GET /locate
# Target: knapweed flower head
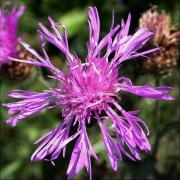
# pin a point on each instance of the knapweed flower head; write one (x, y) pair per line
(8, 32)
(9, 43)
(86, 91)
(165, 36)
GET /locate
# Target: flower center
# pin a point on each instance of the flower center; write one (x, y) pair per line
(90, 85)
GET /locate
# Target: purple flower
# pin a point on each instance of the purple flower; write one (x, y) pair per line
(8, 32)
(87, 90)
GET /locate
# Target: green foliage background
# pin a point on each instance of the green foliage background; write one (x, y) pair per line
(17, 143)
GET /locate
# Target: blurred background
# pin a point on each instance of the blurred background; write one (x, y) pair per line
(161, 117)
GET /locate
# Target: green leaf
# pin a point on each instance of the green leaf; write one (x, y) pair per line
(98, 147)
(74, 20)
(8, 170)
